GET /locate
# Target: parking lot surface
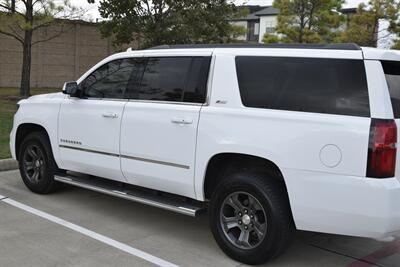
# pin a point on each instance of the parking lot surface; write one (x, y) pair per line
(84, 228)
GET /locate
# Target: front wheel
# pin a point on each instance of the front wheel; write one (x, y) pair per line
(36, 164)
(250, 217)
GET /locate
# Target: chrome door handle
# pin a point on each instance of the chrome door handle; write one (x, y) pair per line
(181, 121)
(110, 115)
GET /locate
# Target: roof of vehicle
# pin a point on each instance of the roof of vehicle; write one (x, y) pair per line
(344, 46)
(344, 51)
(381, 54)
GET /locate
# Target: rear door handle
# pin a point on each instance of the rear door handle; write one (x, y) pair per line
(110, 115)
(181, 121)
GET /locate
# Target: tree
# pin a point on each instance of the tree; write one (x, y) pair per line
(363, 27)
(308, 21)
(394, 26)
(21, 20)
(236, 31)
(157, 22)
(269, 38)
(396, 44)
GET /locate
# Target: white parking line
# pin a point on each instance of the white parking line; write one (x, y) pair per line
(104, 239)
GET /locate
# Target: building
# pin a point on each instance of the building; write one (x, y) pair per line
(61, 59)
(264, 19)
(260, 20)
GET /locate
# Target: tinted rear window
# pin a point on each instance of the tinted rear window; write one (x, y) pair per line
(334, 86)
(392, 73)
(178, 79)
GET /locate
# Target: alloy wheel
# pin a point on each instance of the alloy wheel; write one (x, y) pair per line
(33, 163)
(243, 220)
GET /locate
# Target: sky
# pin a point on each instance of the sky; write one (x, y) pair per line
(93, 14)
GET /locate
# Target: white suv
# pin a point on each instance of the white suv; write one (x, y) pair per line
(269, 139)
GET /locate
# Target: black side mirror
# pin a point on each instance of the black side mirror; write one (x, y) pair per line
(72, 89)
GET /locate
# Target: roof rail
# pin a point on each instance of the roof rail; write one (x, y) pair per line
(344, 46)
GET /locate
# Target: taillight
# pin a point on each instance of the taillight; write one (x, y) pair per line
(382, 149)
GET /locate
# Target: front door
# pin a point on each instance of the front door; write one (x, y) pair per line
(89, 127)
(159, 126)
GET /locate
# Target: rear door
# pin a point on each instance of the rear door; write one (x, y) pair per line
(159, 126)
(392, 73)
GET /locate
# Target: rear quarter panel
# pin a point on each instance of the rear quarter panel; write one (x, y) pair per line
(292, 140)
(298, 141)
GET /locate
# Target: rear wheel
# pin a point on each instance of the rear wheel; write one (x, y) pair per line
(36, 163)
(250, 217)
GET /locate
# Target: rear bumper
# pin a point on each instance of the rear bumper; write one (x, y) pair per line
(346, 205)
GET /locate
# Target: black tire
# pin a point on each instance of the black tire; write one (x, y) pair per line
(271, 196)
(37, 143)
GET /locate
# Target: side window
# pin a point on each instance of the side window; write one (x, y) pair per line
(196, 86)
(110, 80)
(178, 79)
(392, 73)
(334, 86)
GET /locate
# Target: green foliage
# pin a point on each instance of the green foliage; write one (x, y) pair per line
(33, 15)
(363, 27)
(7, 110)
(270, 38)
(396, 45)
(167, 21)
(237, 31)
(394, 22)
(308, 21)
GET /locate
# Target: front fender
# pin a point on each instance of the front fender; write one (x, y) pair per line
(42, 113)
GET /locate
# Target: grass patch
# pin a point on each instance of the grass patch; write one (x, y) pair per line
(7, 110)
(4, 91)
(8, 107)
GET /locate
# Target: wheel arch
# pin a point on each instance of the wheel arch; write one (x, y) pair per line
(23, 130)
(222, 163)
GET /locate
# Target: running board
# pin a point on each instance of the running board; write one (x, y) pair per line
(145, 196)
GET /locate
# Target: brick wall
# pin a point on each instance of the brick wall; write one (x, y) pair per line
(62, 59)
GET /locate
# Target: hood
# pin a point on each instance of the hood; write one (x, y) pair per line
(43, 97)
(47, 96)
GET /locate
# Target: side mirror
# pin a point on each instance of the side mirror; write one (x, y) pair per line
(72, 89)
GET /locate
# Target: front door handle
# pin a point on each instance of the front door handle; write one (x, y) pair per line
(181, 121)
(110, 115)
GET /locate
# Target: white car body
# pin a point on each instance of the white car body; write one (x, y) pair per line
(167, 146)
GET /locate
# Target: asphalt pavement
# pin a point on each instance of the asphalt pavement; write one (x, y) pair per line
(77, 227)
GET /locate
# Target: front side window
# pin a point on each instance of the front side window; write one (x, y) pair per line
(392, 73)
(177, 79)
(110, 80)
(334, 86)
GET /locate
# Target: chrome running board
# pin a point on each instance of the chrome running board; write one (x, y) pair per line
(153, 198)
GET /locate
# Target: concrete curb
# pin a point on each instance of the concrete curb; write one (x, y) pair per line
(8, 164)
